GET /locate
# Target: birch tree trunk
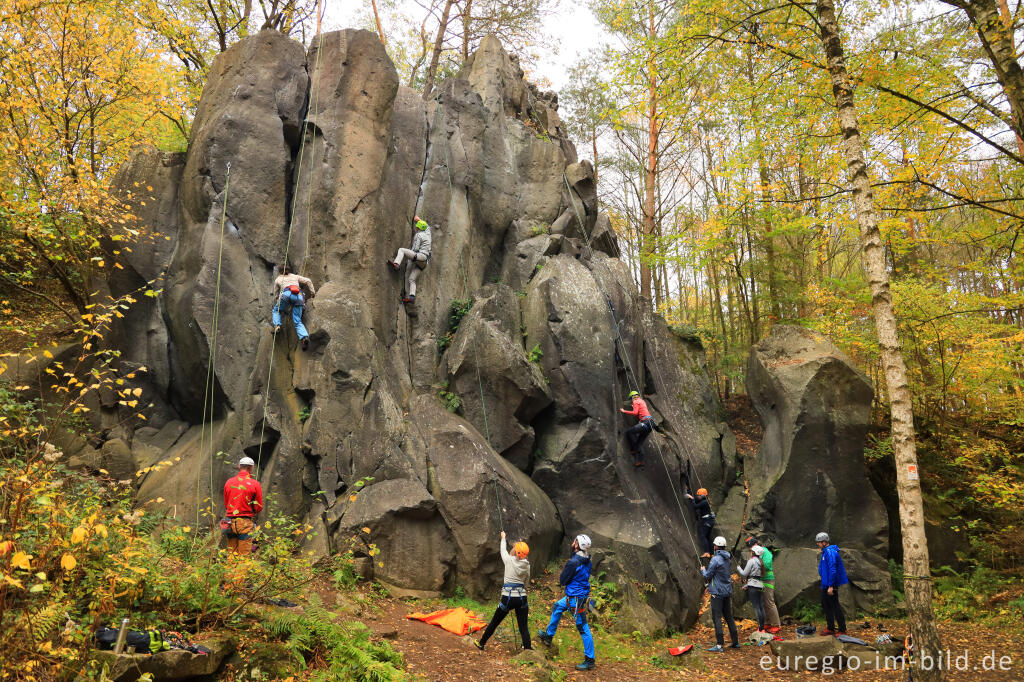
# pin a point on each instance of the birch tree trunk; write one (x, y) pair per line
(908, 486)
(435, 56)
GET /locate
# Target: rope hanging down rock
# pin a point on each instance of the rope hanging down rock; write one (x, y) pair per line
(631, 377)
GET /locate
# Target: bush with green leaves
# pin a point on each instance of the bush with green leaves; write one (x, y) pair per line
(457, 310)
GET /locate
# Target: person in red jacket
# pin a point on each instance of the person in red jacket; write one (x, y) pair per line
(243, 500)
(637, 434)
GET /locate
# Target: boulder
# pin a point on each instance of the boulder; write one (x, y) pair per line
(167, 666)
(487, 355)
(809, 473)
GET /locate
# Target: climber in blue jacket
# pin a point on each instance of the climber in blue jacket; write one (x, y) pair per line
(575, 578)
(833, 575)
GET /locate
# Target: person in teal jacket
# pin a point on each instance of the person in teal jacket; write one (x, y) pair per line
(833, 576)
(771, 612)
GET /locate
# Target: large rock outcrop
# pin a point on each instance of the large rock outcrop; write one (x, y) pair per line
(320, 158)
(809, 473)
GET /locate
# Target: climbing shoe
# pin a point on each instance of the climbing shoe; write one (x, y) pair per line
(277, 328)
(479, 645)
(772, 629)
(734, 645)
(305, 343)
(391, 265)
(716, 649)
(587, 664)
(544, 637)
(409, 299)
(827, 632)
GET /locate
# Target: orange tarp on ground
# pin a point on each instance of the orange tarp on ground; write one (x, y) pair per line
(457, 621)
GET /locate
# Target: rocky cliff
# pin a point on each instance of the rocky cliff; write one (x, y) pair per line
(320, 159)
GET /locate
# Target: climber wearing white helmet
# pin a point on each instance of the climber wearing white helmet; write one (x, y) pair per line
(243, 500)
(719, 577)
(418, 256)
(575, 579)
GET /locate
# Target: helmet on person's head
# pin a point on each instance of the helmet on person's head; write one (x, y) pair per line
(420, 223)
(583, 541)
(246, 462)
(634, 394)
(758, 550)
(702, 491)
(751, 541)
(821, 537)
(719, 542)
(521, 549)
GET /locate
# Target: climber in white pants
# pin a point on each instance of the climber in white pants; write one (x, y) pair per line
(417, 257)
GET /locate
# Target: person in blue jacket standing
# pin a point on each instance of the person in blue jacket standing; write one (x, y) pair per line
(719, 577)
(833, 575)
(575, 578)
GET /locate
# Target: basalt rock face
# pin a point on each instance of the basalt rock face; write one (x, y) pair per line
(329, 160)
(809, 474)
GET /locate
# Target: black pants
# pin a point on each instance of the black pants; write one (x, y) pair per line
(757, 601)
(704, 530)
(833, 611)
(522, 611)
(636, 435)
(721, 607)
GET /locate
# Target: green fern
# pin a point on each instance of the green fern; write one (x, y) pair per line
(41, 623)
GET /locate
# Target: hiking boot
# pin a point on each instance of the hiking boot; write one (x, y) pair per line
(544, 637)
(305, 343)
(479, 645)
(716, 649)
(587, 664)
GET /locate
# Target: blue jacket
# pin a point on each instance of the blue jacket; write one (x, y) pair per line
(719, 575)
(575, 576)
(830, 568)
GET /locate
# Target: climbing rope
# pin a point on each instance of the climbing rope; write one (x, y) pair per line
(625, 357)
(291, 224)
(211, 362)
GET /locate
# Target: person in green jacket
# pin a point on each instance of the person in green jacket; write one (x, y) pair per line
(771, 611)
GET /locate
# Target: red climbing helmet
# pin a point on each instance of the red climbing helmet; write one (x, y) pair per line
(702, 491)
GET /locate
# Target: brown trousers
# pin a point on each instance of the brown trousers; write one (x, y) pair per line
(771, 611)
(240, 536)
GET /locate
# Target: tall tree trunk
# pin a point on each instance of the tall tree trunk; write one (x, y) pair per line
(376, 18)
(467, 18)
(1004, 14)
(650, 167)
(435, 56)
(998, 44)
(908, 485)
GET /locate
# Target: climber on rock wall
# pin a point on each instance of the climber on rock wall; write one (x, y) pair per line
(705, 518)
(418, 257)
(637, 434)
(513, 592)
(290, 286)
(575, 578)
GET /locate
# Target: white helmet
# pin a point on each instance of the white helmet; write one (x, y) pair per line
(246, 462)
(821, 537)
(720, 542)
(583, 541)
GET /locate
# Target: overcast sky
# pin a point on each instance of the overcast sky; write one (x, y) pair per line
(572, 30)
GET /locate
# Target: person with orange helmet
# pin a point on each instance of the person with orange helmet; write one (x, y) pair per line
(513, 592)
(705, 518)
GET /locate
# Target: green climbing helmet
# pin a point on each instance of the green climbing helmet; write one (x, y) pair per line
(633, 394)
(421, 224)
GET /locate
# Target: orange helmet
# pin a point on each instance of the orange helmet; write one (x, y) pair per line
(521, 549)
(702, 491)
